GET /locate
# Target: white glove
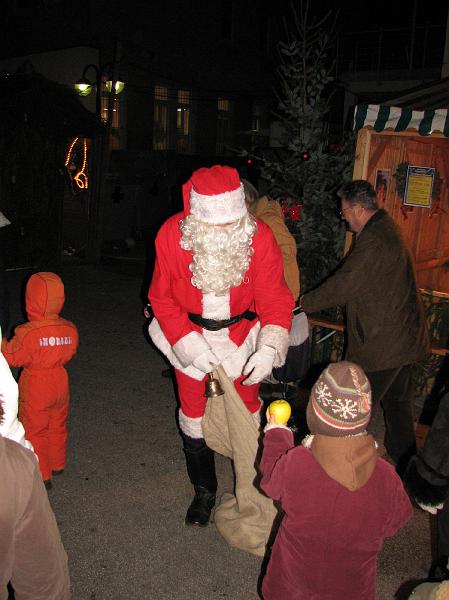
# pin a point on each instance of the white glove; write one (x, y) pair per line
(206, 362)
(430, 508)
(261, 365)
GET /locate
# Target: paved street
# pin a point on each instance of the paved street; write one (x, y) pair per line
(121, 502)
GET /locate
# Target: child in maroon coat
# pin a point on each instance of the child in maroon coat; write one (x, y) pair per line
(340, 500)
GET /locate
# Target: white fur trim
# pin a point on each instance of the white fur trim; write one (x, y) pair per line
(234, 363)
(220, 343)
(216, 307)
(269, 426)
(232, 357)
(190, 347)
(307, 441)
(160, 341)
(191, 426)
(219, 209)
(277, 337)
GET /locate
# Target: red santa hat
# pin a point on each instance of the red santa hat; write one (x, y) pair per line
(215, 195)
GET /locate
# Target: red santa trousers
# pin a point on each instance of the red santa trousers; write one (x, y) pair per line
(193, 400)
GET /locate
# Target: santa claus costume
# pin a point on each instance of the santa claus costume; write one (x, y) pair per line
(218, 296)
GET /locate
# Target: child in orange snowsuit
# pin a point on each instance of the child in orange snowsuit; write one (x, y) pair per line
(42, 346)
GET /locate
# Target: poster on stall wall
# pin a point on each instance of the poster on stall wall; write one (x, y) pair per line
(419, 185)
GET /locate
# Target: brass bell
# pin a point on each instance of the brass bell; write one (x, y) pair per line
(213, 387)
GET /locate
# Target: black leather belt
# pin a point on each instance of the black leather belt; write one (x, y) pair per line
(213, 325)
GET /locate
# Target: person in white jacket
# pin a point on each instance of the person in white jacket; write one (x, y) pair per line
(10, 427)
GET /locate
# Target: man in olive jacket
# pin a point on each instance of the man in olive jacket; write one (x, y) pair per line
(385, 325)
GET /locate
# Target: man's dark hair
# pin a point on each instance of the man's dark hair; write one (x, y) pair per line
(359, 192)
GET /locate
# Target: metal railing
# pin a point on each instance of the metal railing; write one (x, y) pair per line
(327, 339)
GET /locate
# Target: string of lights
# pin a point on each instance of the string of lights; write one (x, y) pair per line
(80, 178)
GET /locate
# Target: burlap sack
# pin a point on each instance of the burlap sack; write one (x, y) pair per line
(245, 518)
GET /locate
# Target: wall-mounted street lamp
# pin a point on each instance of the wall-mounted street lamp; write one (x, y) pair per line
(107, 85)
(84, 86)
(119, 86)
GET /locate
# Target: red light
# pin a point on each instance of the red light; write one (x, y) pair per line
(249, 161)
(305, 156)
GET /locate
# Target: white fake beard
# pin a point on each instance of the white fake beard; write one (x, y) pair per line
(221, 255)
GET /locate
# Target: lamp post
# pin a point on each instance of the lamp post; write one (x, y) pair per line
(100, 148)
(114, 85)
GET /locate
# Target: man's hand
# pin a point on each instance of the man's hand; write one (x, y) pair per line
(206, 362)
(259, 365)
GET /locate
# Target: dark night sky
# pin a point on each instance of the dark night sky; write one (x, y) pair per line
(361, 15)
(358, 16)
(352, 17)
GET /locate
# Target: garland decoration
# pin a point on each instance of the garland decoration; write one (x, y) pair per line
(77, 173)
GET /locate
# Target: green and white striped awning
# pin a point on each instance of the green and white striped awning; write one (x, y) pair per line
(382, 116)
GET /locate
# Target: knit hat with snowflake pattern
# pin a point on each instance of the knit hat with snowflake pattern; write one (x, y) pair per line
(340, 401)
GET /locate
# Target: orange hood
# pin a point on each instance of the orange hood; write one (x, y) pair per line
(44, 296)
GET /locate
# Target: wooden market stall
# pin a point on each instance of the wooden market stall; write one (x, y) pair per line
(390, 142)
(404, 153)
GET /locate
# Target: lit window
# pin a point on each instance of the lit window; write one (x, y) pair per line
(160, 92)
(160, 125)
(183, 121)
(223, 104)
(183, 97)
(111, 102)
(114, 139)
(115, 119)
(224, 118)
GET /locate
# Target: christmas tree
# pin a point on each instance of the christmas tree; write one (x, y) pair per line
(307, 170)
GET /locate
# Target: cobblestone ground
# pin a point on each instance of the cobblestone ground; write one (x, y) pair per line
(121, 502)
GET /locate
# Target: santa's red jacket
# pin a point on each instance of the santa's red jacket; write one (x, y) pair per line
(172, 297)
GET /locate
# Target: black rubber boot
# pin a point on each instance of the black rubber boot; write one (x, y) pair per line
(201, 469)
(200, 508)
